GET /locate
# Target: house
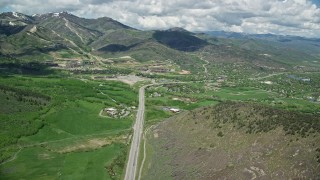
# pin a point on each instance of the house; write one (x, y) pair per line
(159, 70)
(51, 63)
(73, 64)
(99, 77)
(306, 79)
(111, 111)
(174, 110)
(87, 62)
(222, 78)
(267, 82)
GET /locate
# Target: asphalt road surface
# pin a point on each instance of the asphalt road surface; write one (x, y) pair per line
(137, 134)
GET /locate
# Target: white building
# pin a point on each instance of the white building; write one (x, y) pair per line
(174, 110)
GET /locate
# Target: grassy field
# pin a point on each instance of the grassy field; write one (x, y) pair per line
(61, 134)
(242, 94)
(193, 95)
(39, 163)
(182, 96)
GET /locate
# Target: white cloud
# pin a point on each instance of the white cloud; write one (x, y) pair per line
(293, 17)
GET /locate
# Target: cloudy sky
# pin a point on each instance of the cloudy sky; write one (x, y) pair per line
(291, 17)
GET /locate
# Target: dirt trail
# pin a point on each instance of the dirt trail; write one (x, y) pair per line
(55, 141)
(71, 29)
(100, 114)
(270, 75)
(12, 158)
(80, 49)
(71, 42)
(144, 150)
(204, 65)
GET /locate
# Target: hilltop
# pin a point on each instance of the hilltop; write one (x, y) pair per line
(235, 141)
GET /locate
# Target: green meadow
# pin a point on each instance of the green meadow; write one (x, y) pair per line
(189, 96)
(39, 163)
(51, 128)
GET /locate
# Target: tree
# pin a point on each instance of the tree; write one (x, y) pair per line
(220, 134)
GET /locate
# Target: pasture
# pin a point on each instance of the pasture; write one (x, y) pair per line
(57, 132)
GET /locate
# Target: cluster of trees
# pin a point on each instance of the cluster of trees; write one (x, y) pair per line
(21, 94)
(18, 67)
(173, 77)
(12, 130)
(259, 118)
(16, 128)
(115, 167)
(13, 126)
(184, 88)
(288, 87)
(255, 118)
(318, 155)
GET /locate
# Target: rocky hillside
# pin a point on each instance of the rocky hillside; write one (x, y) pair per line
(235, 141)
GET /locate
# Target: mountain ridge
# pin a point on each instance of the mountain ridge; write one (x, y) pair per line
(229, 34)
(53, 36)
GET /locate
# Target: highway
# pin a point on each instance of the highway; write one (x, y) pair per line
(137, 134)
(135, 143)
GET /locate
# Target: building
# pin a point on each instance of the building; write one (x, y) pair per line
(111, 111)
(174, 110)
(306, 79)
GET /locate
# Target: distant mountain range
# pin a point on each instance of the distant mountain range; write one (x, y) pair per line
(281, 38)
(288, 49)
(62, 35)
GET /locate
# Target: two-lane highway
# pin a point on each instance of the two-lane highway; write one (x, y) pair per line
(135, 144)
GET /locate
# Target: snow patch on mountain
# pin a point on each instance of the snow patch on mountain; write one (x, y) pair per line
(15, 14)
(33, 29)
(56, 14)
(12, 24)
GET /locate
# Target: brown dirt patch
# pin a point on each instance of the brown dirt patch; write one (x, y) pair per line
(89, 144)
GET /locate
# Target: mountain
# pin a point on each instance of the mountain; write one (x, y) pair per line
(64, 36)
(281, 38)
(286, 49)
(12, 23)
(179, 39)
(53, 28)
